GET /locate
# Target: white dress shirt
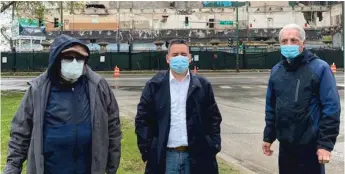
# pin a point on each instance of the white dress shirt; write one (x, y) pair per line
(178, 124)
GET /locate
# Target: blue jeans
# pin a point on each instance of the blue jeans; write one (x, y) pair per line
(177, 162)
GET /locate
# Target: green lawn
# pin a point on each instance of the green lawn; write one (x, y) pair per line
(130, 162)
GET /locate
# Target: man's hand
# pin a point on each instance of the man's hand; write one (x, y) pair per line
(323, 155)
(266, 149)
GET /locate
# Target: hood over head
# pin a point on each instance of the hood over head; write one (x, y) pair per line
(62, 43)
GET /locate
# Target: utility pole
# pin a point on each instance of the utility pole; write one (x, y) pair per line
(61, 13)
(343, 21)
(12, 44)
(118, 26)
(237, 46)
(13, 15)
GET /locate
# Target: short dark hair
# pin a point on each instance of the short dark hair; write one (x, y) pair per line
(176, 41)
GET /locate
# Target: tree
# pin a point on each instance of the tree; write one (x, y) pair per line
(39, 8)
(36, 10)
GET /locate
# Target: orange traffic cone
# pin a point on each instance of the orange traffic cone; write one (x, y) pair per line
(333, 68)
(116, 72)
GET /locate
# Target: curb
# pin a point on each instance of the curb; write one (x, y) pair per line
(235, 164)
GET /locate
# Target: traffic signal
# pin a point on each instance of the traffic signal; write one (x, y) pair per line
(240, 42)
(56, 22)
(186, 21)
(40, 22)
(230, 42)
(167, 44)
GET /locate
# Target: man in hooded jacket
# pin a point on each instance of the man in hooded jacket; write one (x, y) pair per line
(302, 107)
(68, 120)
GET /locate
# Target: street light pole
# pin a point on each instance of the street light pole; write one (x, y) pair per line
(118, 26)
(237, 36)
(61, 13)
(343, 20)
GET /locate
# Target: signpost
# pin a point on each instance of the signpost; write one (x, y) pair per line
(237, 31)
(226, 22)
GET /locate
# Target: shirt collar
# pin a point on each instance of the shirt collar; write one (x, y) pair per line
(171, 76)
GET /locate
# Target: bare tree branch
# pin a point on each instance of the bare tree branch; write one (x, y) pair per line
(6, 6)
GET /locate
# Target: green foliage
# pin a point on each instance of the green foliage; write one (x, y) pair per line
(38, 9)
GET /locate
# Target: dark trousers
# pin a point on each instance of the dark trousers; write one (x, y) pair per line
(299, 159)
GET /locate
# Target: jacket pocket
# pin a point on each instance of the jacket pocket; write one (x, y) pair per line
(297, 90)
(210, 144)
(283, 125)
(302, 128)
(150, 154)
(153, 145)
(310, 133)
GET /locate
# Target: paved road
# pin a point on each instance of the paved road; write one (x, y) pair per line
(241, 99)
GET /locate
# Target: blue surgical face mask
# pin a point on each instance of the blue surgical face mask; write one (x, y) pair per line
(289, 51)
(179, 64)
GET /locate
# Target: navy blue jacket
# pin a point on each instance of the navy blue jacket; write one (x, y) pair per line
(302, 103)
(152, 124)
(67, 129)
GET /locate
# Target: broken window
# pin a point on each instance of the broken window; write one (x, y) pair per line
(210, 23)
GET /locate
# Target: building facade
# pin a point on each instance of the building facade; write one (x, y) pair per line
(122, 22)
(157, 15)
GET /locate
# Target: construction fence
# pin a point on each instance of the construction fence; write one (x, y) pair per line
(149, 60)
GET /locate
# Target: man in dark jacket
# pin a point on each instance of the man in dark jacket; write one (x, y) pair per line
(178, 120)
(302, 107)
(68, 120)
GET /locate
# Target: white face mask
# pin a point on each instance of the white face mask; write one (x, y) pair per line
(71, 70)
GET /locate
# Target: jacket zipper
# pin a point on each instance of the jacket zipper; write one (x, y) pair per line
(76, 142)
(297, 90)
(76, 147)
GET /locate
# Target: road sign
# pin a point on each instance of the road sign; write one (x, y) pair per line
(226, 22)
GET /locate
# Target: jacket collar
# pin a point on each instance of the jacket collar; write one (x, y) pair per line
(171, 76)
(164, 76)
(295, 63)
(92, 76)
(193, 85)
(162, 81)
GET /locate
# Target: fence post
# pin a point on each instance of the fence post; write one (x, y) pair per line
(270, 48)
(214, 43)
(46, 46)
(159, 44)
(130, 45)
(14, 52)
(244, 61)
(32, 62)
(102, 52)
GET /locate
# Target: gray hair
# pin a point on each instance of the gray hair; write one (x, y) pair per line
(293, 27)
(176, 41)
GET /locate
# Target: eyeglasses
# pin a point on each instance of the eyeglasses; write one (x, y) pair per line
(71, 58)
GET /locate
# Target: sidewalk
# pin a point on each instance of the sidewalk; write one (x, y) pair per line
(128, 103)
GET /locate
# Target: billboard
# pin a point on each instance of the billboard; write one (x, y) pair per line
(30, 27)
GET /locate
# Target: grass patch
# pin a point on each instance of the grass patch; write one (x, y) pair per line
(131, 162)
